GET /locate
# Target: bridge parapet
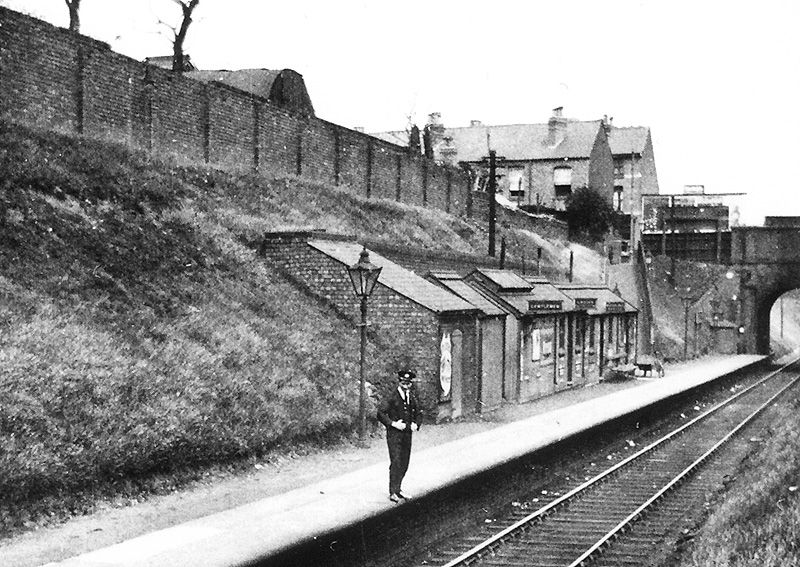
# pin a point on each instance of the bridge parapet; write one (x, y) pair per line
(765, 245)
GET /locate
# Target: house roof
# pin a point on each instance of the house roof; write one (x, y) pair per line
(458, 286)
(255, 81)
(284, 87)
(523, 142)
(397, 137)
(405, 282)
(165, 62)
(629, 140)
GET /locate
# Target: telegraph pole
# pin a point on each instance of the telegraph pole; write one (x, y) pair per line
(492, 199)
(492, 189)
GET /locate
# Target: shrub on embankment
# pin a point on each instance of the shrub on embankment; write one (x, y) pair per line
(140, 333)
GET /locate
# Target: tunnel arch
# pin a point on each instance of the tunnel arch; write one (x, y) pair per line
(767, 260)
(760, 287)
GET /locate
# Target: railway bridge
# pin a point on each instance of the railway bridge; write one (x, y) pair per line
(767, 261)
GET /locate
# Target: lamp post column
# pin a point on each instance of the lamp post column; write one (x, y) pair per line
(686, 302)
(362, 399)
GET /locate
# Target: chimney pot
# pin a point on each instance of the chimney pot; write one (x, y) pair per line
(556, 127)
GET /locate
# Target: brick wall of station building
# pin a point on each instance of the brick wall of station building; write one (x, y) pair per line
(393, 318)
(57, 79)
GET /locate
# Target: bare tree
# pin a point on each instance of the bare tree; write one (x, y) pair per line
(74, 15)
(179, 33)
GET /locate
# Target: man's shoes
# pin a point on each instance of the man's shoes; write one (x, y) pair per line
(403, 496)
(395, 498)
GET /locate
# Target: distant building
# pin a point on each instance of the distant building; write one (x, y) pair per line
(543, 164)
(635, 174)
(165, 62)
(284, 88)
(690, 211)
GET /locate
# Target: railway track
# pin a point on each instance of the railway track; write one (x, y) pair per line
(616, 515)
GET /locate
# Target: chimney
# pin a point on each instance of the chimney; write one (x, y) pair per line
(447, 151)
(473, 123)
(433, 133)
(556, 127)
(359, 129)
(435, 119)
(608, 123)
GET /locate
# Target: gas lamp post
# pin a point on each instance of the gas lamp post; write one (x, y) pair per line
(687, 302)
(364, 276)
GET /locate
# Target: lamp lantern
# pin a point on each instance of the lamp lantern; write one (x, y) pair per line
(364, 275)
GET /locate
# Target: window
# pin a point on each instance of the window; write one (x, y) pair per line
(516, 184)
(562, 179)
(617, 198)
(536, 344)
(562, 176)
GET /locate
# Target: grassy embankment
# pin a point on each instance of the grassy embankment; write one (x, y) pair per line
(141, 338)
(757, 521)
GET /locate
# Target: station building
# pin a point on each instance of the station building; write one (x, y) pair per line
(477, 341)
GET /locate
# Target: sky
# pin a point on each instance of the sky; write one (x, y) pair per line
(716, 81)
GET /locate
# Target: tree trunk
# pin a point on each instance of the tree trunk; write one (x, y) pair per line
(178, 63)
(74, 15)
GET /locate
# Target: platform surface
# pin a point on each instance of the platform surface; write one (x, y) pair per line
(263, 528)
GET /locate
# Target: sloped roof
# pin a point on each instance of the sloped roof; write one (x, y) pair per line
(397, 137)
(515, 292)
(506, 280)
(602, 294)
(165, 61)
(255, 81)
(628, 140)
(542, 291)
(405, 282)
(458, 286)
(283, 87)
(523, 142)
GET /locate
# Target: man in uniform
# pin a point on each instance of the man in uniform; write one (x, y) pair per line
(400, 414)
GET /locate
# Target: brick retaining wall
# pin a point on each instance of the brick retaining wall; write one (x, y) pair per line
(53, 78)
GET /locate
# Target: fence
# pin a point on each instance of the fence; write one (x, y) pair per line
(713, 247)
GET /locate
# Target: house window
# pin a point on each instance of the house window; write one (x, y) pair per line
(617, 198)
(562, 179)
(516, 184)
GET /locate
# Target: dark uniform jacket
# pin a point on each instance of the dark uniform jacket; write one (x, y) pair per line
(393, 408)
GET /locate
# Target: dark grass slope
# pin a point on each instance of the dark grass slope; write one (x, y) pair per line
(140, 335)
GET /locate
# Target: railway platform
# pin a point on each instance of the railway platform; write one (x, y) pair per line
(264, 528)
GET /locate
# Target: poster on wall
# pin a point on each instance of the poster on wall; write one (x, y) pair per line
(446, 365)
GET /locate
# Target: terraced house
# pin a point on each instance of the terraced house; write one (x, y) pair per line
(541, 165)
